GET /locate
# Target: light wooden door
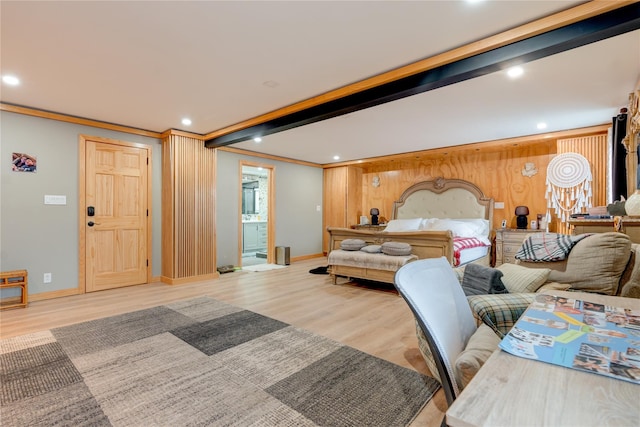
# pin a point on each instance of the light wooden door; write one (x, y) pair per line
(116, 235)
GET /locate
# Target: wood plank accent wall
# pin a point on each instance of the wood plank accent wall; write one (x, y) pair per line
(495, 168)
(188, 210)
(342, 199)
(498, 173)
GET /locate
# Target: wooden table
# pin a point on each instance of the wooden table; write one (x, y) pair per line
(514, 391)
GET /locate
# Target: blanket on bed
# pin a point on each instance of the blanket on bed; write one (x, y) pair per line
(462, 243)
(366, 260)
(541, 247)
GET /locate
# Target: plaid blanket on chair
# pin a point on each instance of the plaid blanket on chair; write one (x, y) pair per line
(540, 247)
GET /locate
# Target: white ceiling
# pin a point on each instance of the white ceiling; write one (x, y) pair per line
(148, 64)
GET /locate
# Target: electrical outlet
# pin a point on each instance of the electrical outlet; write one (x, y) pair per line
(47, 278)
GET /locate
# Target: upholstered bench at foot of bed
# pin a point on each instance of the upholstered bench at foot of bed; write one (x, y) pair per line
(362, 265)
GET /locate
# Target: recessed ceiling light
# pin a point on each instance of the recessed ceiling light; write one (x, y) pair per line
(186, 122)
(541, 125)
(514, 72)
(336, 157)
(11, 80)
(257, 139)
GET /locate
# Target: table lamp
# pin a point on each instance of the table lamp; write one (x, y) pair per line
(521, 216)
(374, 216)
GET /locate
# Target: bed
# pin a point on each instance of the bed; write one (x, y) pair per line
(442, 217)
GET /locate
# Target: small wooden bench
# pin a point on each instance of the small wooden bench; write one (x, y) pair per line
(14, 279)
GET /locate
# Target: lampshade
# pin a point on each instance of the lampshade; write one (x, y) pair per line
(522, 210)
(374, 211)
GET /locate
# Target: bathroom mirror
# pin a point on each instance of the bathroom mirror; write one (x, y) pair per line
(250, 198)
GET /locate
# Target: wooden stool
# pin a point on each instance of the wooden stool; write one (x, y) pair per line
(14, 279)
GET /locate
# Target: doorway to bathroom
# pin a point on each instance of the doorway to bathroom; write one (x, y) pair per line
(256, 197)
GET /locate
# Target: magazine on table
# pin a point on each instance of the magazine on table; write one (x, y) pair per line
(579, 334)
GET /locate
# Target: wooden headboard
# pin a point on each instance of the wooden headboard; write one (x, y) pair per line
(444, 198)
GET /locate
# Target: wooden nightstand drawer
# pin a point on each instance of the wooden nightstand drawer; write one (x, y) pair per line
(508, 243)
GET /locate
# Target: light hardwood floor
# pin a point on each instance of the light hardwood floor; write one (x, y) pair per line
(372, 319)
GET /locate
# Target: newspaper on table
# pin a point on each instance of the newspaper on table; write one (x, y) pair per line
(579, 334)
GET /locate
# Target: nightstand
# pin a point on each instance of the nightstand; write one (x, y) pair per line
(508, 242)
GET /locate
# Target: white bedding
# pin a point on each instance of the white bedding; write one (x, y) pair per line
(472, 254)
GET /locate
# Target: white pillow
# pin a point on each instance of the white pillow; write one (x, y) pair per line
(458, 228)
(412, 224)
(479, 225)
(427, 223)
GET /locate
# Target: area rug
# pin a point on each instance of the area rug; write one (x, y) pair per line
(262, 267)
(200, 362)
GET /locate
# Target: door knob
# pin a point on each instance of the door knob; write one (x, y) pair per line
(91, 223)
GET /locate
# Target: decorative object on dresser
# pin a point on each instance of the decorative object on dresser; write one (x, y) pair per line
(374, 215)
(632, 205)
(508, 243)
(568, 185)
(521, 216)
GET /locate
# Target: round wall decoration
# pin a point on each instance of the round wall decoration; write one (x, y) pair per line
(568, 185)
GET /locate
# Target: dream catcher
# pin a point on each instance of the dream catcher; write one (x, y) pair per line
(568, 185)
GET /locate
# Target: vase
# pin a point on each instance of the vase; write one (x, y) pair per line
(632, 205)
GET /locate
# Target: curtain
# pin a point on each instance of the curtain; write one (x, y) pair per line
(619, 169)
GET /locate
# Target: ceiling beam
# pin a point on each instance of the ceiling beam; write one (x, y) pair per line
(590, 30)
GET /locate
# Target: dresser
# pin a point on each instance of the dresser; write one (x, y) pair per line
(628, 225)
(508, 242)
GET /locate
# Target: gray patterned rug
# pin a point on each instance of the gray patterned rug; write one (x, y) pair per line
(200, 362)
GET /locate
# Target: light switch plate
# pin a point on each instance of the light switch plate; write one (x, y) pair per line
(498, 205)
(50, 199)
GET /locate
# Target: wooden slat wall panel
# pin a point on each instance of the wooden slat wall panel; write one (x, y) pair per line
(206, 203)
(594, 149)
(190, 208)
(168, 247)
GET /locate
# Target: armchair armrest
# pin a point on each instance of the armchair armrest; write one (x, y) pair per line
(499, 311)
